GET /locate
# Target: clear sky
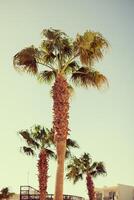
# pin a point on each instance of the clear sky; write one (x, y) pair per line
(101, 121)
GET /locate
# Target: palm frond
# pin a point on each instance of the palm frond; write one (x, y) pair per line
(47, 46)
(58, 44)
(52, 34)
(90, 47)
(50, 135)
(44, 136)
(81, 46)
(25, 60)
(77, 178)
(51, 153)
(87, 78)
(71, 90)
(66, 47)
(28, 151)
(98, 169)
(86, 161)
(67, 154)
(93, 166)
(71, 67)
(30, 141)
(46, 76)
(37, 132)
(101, 170)
(74, 171)
(71, 143)
(48, 58)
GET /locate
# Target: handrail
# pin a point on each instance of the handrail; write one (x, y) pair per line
(27, 186)
(26, 195)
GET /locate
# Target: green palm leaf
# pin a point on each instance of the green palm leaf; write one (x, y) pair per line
(51, 154)
(28, 151)
(71, 143)
(100, 168)
(30, 141)
(78, 167)
(74, 170)
(47, 76)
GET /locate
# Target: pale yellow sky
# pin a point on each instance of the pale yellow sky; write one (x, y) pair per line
(101, 121)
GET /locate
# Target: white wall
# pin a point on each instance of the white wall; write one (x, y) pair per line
(126, 192)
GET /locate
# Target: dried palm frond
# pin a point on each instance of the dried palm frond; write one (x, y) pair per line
(52, 34)
(88, 77)
(25, 60)
(65, 47)
(71, 90)
(90, 46)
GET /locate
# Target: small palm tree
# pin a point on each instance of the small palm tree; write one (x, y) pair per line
(5, 193)
(58, 60)
(79, 167)
(42, 139)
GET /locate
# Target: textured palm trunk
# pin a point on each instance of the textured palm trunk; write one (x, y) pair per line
(90, 188)
(43, 173)
(60, 123)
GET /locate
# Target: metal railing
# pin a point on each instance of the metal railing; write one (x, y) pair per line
(30, 193)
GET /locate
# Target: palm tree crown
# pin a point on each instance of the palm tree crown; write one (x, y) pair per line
(38, 138)
(61, 54)
(83, 166)
(5, 193)
(79, 167)
(41, 139)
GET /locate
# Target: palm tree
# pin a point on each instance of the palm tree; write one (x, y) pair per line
(5, 193)
(41, 139)
(79, 167)
(60, 59)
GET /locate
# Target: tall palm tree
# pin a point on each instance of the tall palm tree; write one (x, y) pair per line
(79, 167)
(5, 193)
(41, 139)
(60, 59)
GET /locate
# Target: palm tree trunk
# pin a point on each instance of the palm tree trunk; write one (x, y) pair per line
(60, 123)
(43, 174)
(90, 187)
(61, 149)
